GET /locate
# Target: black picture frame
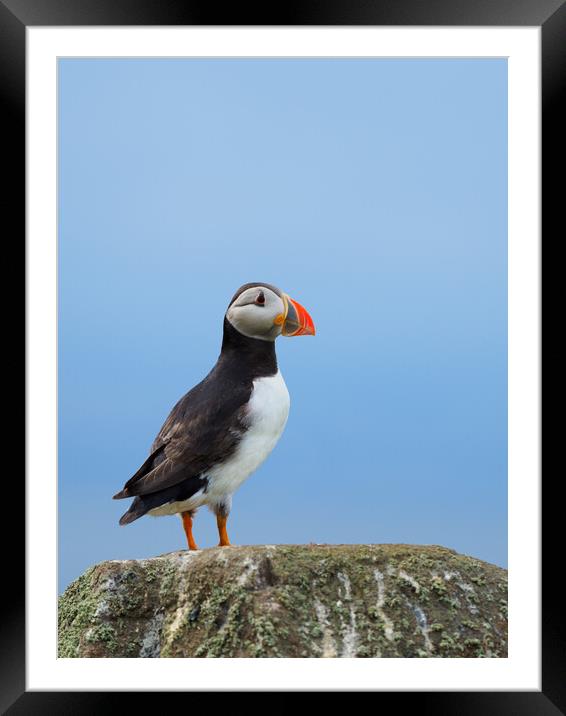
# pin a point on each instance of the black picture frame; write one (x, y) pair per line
(15, 17)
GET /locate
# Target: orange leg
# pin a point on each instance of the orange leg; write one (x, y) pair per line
(188, 525)
(221, 522)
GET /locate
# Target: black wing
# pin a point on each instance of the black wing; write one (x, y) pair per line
(202, 430)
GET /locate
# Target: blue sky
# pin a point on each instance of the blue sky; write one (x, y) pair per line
(372, 191)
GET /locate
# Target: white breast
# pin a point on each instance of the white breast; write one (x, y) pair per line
(267, 413)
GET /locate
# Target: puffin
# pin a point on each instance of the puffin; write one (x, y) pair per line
(223, 429)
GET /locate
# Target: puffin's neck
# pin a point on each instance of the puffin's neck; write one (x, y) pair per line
(254, 357)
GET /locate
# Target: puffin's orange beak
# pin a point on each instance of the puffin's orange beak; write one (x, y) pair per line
(296, 321)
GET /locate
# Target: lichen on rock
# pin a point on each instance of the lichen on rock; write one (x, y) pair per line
(320, 601)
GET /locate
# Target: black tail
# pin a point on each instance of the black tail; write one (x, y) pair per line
(137, 509)
(142, 504)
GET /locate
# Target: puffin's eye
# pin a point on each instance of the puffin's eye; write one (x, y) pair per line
(260, 300)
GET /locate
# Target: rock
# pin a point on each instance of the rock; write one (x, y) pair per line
(289, 601)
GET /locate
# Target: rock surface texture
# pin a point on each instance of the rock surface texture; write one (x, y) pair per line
(289, 601)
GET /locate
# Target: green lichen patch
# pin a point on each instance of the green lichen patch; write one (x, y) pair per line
(76, 614)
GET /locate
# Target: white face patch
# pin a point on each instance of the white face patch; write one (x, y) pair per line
(254, 313)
